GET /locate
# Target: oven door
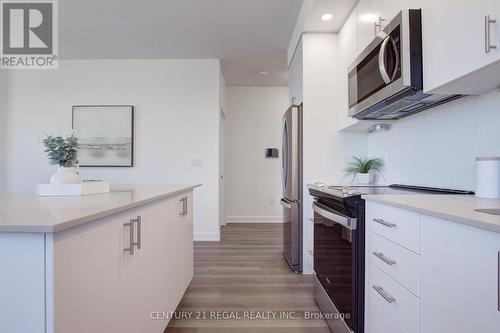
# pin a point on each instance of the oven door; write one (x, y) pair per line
(377, 72)
(334, 257)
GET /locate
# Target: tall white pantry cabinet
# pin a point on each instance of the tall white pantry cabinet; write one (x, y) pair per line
(108, 275)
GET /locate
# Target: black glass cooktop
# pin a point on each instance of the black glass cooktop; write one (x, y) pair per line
(346, 191)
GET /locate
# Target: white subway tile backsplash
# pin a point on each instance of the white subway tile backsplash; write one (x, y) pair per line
(438, 147)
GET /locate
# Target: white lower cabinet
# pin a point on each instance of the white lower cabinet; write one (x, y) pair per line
(378, 319)
(451, 285)
(397, 301)
(187, 243)
(399, 263)
(98, 286)
(459, 278)
(22, 283)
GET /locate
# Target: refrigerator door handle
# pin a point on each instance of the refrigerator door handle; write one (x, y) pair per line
(284, 156)
(285, 204)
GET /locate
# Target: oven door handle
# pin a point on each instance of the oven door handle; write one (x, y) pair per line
(348, 222)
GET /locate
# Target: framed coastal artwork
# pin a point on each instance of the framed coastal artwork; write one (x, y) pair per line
(105, 135)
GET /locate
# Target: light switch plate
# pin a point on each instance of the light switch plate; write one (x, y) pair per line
(197, 163)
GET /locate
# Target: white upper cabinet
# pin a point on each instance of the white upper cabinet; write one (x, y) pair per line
(390, 8)
(369, 14)
(295, 72)
(348, 51)
(458, 55)
(373, 15)
(348, 42)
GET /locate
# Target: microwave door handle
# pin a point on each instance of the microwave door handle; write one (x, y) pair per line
(396, 62)
(347, 222)
(381, 62)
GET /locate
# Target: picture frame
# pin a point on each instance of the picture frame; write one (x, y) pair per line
(105, 134)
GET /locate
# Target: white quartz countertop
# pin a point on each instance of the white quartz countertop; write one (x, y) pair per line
(27, 212)
(457, 208)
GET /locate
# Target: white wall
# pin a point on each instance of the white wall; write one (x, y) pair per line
(177, 106)
(3, 128)
(253, 182)
(438, 147)
(325, 149)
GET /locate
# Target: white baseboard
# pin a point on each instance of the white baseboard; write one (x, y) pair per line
(206, 237)
(254, 219)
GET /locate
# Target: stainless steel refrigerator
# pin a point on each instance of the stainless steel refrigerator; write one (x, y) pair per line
(291, 175)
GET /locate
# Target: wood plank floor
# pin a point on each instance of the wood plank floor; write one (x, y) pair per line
(242, 276)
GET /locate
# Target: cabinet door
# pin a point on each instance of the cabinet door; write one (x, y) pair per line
(458, 278)
(144, 269)
(368, 15)
(296, 76)
(172, 258)
(391, 8)
(454, 41)
(187, 243)
(22, 286)
(348, 51)
(89, 277)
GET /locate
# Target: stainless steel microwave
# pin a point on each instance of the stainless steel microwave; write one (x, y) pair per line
(386, 80)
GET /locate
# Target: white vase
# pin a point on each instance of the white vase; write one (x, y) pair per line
(65, 176)
(365, 178)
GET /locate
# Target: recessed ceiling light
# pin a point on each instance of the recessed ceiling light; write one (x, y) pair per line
(263, 73)
(327, 16)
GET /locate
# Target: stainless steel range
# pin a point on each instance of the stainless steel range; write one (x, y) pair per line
(339, 246)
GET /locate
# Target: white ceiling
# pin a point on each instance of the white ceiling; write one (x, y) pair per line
(248, 35)
(340, 9)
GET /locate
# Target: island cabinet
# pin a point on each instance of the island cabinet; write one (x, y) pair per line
(428, 274)
(107, 275)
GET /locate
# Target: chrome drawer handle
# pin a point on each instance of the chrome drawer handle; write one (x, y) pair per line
(385, 223)
(138, 221)
(385, 259)
(130, 249)
(184, 212)
(384, 294)
(487, 34)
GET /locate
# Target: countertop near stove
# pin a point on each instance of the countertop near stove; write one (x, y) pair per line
(457, 208)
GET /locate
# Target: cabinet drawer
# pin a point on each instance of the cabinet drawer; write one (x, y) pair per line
(378, 320)
(398, 302)
(398, 225)
(399, 263)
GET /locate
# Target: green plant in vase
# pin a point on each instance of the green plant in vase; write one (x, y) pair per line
(62, 151)
(364, 169)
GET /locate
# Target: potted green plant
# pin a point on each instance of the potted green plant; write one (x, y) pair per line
(364, 169)
(63, 153)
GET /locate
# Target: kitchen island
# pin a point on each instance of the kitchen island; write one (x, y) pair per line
(98, 263)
